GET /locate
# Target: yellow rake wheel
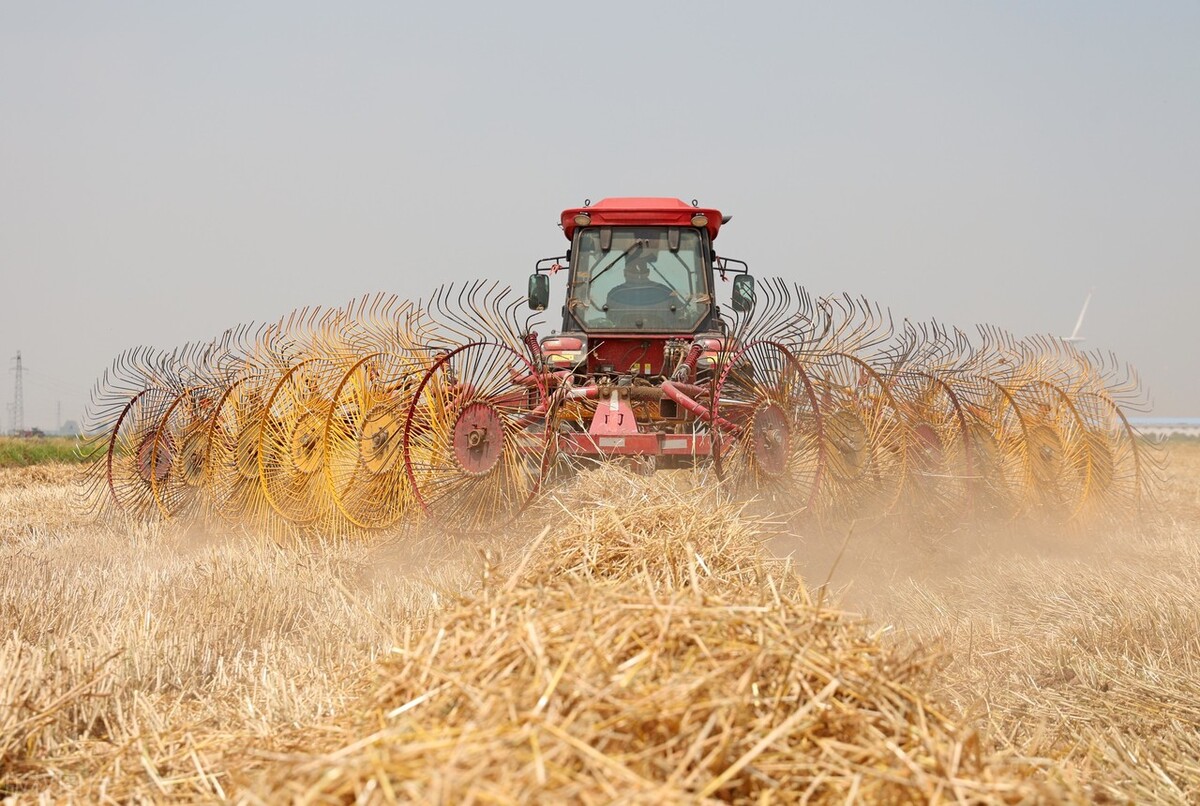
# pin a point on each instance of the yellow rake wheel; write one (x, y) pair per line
(179, 487)
(940, 460)
(234, 489)
(1060, 464)
(766, 430)
(999, 449)
(866, 438)
(364, 439)
(1120, 467)
(475, 443)
(136, 456)
(291, 442)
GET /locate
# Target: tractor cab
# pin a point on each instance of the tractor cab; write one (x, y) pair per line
(639, 279)
(641, 270)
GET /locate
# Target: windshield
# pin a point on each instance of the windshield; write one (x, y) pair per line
(638, 278)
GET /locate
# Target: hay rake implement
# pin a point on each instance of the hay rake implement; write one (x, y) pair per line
(452, 411)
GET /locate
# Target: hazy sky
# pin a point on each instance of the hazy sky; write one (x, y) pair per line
(168, 170)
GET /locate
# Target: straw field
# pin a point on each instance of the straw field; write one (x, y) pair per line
(632, 639)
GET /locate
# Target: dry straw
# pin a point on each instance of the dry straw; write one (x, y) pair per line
(642, 649)
(633, 643)
(1086, 652)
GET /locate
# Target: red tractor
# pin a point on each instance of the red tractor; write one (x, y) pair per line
(645, 366)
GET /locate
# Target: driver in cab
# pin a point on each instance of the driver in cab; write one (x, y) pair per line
(638, 292)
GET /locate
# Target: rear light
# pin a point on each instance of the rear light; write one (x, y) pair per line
(556, 343)
(711, 350)
(563, 352)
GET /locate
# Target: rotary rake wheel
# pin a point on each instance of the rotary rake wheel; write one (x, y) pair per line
(364, 439)
(136, 456)
(1060, 465)
(866, 439)
(999, 449)
(1120, 469)
(291, 450)
(997, 446)
(235, 491)
(941, 461)
(183, 436)
(767, 425)
(475, 443)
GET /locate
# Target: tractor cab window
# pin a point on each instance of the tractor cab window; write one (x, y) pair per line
(638, 278)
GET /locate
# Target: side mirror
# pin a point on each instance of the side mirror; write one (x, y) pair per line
(539, 291)
(743, 293)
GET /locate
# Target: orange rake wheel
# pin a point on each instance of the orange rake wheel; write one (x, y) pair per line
(766, 429)
(364, 439)
(475, 445)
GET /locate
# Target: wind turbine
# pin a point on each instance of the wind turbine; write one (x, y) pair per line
(1075, 337)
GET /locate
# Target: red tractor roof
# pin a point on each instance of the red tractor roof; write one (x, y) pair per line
(637, 210)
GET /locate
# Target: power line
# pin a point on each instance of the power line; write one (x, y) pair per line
(51, 383)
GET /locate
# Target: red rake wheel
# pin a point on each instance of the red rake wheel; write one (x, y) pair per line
(178, 483)
(136, 457)
(475, 447)
(766, 426)
(364, 439)
(291, 445)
